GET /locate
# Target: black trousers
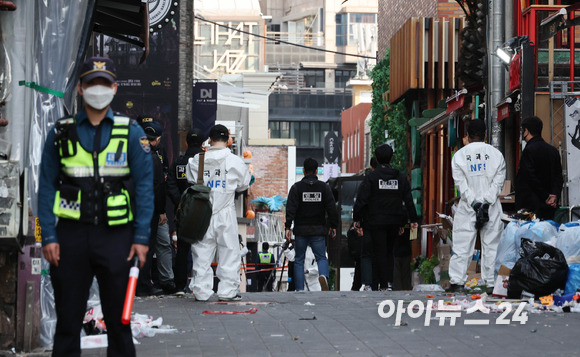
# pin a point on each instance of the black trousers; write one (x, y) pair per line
(147, 273)
(180, 269)
(383, 238)
(86, 251)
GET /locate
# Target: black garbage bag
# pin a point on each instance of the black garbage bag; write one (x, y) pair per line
(541, 270)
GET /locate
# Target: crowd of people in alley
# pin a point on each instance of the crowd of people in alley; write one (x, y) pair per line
(102, 198)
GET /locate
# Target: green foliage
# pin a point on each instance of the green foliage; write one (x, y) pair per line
(425, 267)
(396, 122)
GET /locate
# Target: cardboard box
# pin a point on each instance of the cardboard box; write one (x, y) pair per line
(500, 288)
(444, 255)
(472, 271)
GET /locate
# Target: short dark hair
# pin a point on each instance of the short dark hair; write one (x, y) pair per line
(384, 154)
(265, 246)
(195, 137)
(534, 125)
(219, 133)
(476, 128)
(374, 162)
(310, 166)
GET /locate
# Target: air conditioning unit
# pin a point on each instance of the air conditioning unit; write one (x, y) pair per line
(10, 205)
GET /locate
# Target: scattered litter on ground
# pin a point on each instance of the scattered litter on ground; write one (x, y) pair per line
(308, 303)
(210, 312)
(308, 318)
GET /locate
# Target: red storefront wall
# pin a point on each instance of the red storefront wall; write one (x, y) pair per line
(353, 137)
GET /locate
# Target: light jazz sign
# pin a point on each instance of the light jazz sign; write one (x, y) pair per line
(226, 49)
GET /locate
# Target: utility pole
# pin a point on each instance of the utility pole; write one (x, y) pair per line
(184, 106)
(497, 72)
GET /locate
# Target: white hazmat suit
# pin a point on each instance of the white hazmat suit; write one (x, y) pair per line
(226, 174)
(479, 173)
(310, 268)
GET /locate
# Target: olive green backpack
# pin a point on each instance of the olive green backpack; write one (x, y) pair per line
(194, 211)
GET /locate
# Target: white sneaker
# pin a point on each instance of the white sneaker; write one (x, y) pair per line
(323, 283)
(368, 288)
(389, 287)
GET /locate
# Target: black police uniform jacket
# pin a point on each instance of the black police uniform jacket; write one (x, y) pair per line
(311, 207)
(386, 195)
(177, 177)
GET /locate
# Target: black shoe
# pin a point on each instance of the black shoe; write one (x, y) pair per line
(455, 288)
(169, 288)
(153, 291)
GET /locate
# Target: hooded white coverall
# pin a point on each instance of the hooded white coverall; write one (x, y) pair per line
(310, 268)
(226, 174)
(479, 173)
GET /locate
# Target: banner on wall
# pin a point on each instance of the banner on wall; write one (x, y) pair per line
(331, 147)
(204, 105)
(572, 120)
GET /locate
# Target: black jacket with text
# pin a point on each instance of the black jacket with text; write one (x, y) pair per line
(386, 195)
(311, 207)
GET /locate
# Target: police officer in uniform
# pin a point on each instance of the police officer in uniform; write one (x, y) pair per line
(265, 260)
(93, 205)
(386, 194)
(176, 184)
(159, 243)
(312, 208)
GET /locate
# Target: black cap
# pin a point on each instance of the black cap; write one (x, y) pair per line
(96, 67)
(219, 132)
(195, 137)
(152, 129)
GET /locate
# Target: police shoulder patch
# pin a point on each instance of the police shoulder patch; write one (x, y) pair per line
(145, 144)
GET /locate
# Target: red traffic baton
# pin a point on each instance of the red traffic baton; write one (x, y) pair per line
(130, 294)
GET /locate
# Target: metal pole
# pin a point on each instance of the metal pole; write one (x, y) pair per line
(184, 106)
(497, 75)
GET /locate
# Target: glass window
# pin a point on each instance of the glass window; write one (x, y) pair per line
(274, 129)
(341, 29)
(315, 134)
(304, 134)
(284, 129)
(295, 130)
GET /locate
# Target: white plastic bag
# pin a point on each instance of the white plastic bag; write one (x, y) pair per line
(507, 250)
(569, 241)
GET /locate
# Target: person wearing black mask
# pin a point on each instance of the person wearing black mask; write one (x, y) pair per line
(539, 180)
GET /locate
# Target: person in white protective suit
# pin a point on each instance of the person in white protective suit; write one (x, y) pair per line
(479, 174)
(226, 174)
(310, 268)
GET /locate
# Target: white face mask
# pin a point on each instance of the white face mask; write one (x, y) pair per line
(99, 96)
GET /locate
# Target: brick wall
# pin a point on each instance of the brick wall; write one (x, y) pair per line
(270, 165)
(394, 13)
(449, 9)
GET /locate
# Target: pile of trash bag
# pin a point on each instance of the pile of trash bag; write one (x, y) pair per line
(543, 257)
(541, 270)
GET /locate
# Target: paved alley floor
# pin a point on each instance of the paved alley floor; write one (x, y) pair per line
(345, 324)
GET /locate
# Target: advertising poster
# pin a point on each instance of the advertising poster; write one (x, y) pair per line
(150, 88)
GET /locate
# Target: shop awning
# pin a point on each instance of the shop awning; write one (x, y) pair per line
(506, 106)
(456, 101)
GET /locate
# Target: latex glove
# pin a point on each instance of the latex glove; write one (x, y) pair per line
(482, 215)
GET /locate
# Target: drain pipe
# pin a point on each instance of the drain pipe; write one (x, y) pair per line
(497, 71)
